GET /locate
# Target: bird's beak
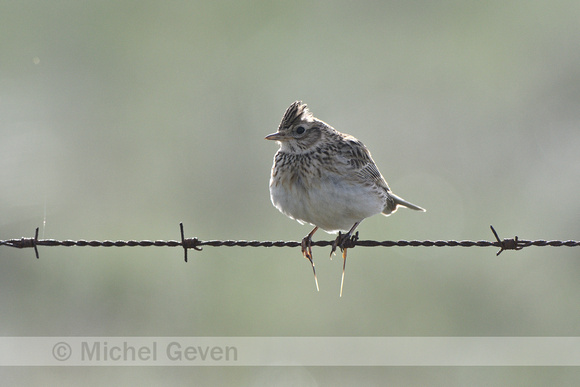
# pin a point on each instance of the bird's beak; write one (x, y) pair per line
(276, 137)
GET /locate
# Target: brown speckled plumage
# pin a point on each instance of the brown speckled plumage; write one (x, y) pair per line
(326, 178)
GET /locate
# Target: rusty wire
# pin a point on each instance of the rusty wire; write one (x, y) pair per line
(196, 244)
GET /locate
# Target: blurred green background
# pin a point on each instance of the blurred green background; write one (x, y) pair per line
(120, 119)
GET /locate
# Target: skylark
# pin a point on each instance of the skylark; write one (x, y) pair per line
(326, 178)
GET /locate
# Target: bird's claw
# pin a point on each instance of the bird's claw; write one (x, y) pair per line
(345, 242)
(306, 246)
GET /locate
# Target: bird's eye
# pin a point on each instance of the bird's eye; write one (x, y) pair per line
(300, 130)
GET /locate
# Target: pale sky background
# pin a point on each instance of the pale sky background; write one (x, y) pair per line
(120, 119)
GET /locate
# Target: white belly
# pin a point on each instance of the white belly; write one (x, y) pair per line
(333, 205)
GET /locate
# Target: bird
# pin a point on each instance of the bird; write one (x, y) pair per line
(328, 179)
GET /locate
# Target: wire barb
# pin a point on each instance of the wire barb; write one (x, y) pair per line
(507, 244)
(35, 243)
(190, 243)
(23, 243)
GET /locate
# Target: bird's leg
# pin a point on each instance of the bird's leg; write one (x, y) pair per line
(307, 252)
(340, 241)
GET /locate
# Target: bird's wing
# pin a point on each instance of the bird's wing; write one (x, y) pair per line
(360, 163)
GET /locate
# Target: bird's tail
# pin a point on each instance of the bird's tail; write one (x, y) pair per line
(397, 201)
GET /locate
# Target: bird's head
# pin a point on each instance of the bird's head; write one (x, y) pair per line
(298, 130)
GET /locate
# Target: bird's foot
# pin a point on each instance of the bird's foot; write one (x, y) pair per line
(306, 245)
(344, 241)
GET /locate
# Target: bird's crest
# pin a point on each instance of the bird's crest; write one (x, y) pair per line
(297, 112)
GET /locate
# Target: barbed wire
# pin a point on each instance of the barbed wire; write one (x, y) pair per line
(196, 244)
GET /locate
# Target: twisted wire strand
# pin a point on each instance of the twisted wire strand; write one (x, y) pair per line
(196, 244)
